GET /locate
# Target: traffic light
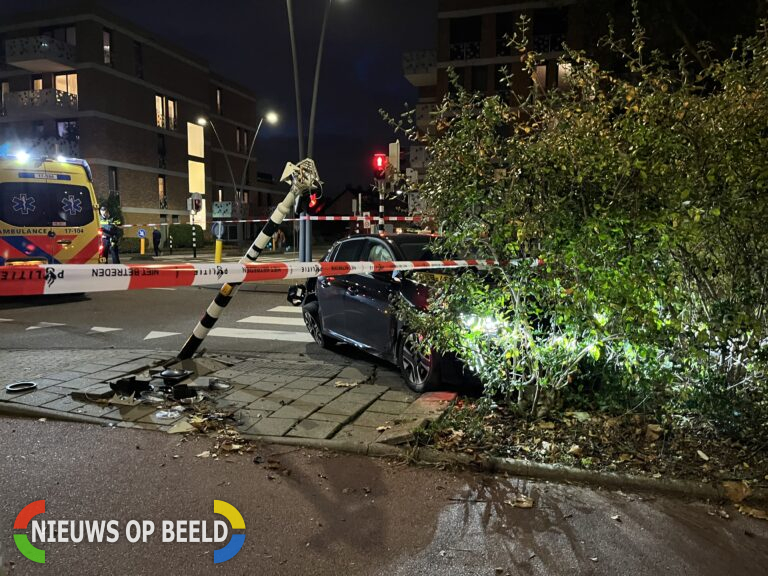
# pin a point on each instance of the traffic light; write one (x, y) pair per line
(380, 162)
(197, 204)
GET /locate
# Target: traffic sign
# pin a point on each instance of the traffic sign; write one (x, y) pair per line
(217, 229)
(142, 233)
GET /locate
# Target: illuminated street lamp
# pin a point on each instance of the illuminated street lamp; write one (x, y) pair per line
(272, 118)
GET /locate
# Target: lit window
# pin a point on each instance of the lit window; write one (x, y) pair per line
(107, 43)
(541, 77)
(219, 194)
(246, 197)
(166, 112)
(66, 83)
(68, 130)
(218, 100)
(564, 71)
(37, 84)
(173, 114)
(237, 139)
(161, 192)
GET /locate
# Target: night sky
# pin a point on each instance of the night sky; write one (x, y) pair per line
(249, 42)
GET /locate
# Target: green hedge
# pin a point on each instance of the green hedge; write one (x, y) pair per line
(182, 236)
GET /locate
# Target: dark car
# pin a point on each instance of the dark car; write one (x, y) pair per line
(358, 308)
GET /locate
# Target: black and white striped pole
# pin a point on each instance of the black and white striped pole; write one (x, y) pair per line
(302, 177)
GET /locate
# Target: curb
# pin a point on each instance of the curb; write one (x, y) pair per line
(491, 464)
(24, 411)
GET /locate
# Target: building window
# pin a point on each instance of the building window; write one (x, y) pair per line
(564, 76)
(107, 44)
(166, 112)
(237, 139)
(37, 84)
(161, 151)
(246, 197)
(113, 180)
(465, 36)
(39, 128)
(541, 77)
(138, 59)
(68, 130)
(5, 88)
(480, 79)
(218, 101)
(245, 141)
(219, 194)
(66, 83)
(161, 192)
(70, 35)
(163, 218)
(174, 219)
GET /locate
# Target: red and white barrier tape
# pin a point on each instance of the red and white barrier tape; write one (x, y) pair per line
(314, 218)
(72, 278)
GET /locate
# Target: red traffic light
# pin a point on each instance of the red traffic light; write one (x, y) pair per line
(312, 200)
(380, 162)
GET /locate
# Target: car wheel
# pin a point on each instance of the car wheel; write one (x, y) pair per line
(311, 313)
(419, 369)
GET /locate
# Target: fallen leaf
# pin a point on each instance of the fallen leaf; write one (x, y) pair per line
(723, 514)
(594, 559)
(616, 517)
(580, 416)
(754, 512)
(521, 501)
(546, 425)
(652, 432)
(624, 457)
(575, 450)
(206, 454)
(42, 419)
(702, 455)
(383, 428)
(736, 491)
(343, 384)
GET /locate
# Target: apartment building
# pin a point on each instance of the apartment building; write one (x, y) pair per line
(88, 84)
(473, 40)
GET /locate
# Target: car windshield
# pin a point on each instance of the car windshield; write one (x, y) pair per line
(416, 248)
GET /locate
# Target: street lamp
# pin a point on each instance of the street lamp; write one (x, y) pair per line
(305, 226)
(272, 118)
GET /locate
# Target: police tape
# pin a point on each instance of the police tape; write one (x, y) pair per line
(313, 218)
(75, 278)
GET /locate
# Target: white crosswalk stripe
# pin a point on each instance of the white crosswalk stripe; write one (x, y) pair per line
(278, 320)
(286, 309)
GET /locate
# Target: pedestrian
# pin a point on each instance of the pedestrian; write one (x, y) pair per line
(280, 240)
(156, 240)
(110, 235)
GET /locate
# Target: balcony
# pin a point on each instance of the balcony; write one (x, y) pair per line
(420, 68)
(40, 54)
(30, 104)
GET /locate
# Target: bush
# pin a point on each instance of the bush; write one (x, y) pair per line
(631, 215)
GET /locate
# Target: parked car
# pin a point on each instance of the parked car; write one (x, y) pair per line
(358, 308)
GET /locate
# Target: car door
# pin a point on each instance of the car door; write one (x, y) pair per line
(331, 289)
(369, 315)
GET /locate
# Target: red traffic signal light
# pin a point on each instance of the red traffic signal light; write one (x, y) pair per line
(312, 200)
(380, 162)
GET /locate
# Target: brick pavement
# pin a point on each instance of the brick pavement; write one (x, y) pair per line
(328, 397)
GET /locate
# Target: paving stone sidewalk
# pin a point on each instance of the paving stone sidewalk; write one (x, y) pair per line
(323, 397)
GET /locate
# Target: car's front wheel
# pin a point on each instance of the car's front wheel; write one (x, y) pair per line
(312, 321)
(418, 366)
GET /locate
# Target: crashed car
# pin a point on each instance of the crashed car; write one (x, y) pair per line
(357, 309)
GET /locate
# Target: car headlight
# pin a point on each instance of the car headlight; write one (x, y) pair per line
(485, 324)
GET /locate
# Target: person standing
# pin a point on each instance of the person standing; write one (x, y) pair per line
(156, 240)
(110, 234)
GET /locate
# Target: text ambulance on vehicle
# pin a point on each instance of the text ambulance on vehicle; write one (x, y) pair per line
(48, 212)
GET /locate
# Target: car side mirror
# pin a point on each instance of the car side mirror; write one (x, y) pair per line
(397, 276)
(296, 294)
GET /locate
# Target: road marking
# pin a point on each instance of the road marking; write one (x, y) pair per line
(286, 309)
(45, 325)
(103, 329)
(280, 321)
(261, 334)
(152, 335)
(6, 320)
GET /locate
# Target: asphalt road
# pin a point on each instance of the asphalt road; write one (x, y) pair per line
(154, 319)
(318, 513)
